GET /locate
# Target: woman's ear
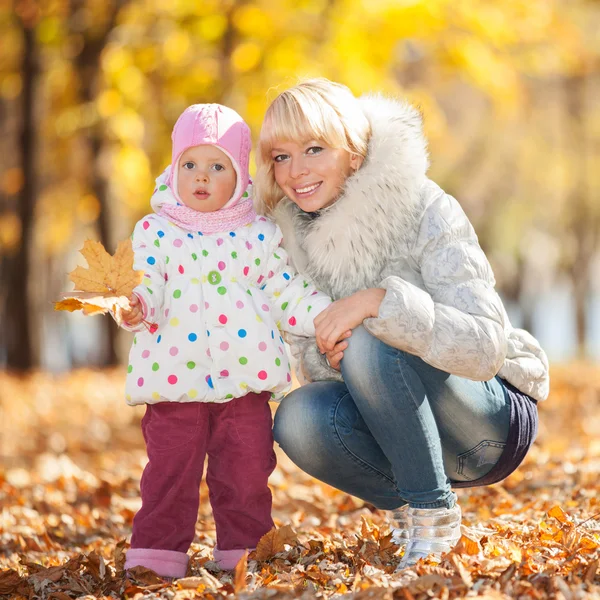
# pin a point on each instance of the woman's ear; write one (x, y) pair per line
(356, 161)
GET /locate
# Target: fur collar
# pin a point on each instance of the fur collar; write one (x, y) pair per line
(345, 248)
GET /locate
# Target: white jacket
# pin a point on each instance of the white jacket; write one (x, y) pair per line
(394, 228)
(217, 301)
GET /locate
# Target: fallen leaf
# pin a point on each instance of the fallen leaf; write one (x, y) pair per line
(144, 577)
(559, 514)
(274, 541)
(239, 580)
(469, 546)
(9, 581)
(119, 555)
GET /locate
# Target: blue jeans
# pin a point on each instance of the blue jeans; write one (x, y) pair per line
(397, 430)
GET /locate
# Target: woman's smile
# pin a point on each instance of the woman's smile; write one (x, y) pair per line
(307, 190)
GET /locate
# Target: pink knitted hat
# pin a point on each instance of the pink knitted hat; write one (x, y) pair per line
(215, 125)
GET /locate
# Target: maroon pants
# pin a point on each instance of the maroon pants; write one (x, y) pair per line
(238, 438)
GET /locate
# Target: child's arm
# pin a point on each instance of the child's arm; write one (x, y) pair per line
(295, 301)
(147, 298)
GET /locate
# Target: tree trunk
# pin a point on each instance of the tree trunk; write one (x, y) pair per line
(17, 315)
(87, 64)
(583, 222)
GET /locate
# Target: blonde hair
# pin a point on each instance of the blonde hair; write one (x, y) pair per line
(316, 109)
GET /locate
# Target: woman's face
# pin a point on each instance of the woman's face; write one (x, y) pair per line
(312, 174)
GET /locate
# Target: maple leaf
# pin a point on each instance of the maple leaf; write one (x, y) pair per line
(274, 541)
(106, 285)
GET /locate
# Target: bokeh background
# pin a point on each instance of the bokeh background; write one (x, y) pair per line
(89, 92)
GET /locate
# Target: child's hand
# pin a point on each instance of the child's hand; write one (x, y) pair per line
(344, 314)
(334, 357)
(135, 314)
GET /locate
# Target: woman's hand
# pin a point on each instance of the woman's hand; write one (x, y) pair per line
(334, 358)
(135, 314)
(344, 315)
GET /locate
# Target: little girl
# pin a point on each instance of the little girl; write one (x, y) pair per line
(208, 356)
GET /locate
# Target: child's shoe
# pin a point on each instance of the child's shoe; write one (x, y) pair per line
(399, 524)
(432, 531)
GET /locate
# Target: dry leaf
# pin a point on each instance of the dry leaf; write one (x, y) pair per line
(274, 541)
(241, 570)
(119, 555)
(106, 285)
(469, 546)
(9, 581)
(559, 514)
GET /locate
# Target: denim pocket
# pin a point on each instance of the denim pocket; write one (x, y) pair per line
(480, 460)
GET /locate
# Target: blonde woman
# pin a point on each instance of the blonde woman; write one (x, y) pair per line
(433, 388)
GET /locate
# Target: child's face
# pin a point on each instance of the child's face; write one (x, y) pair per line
(206, 178)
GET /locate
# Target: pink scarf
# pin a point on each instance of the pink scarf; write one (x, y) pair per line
(225, 219)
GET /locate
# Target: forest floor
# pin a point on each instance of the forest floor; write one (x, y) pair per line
(71, 455)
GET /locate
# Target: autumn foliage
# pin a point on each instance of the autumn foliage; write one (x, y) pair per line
(72, 458)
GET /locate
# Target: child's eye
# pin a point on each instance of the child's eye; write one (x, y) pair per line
(314, 150)
(280, 158)
(218, 167)
(188, 165)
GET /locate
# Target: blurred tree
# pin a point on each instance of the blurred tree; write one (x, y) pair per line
(92, 23)
(16, 313)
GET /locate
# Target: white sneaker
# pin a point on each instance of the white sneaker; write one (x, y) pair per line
(432, 531)
(399, 525)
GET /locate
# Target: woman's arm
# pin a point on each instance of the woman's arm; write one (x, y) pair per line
(457, 323)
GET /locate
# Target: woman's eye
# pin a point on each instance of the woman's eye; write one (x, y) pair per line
(218, 167)
(280, 157)
(188, 165)
(314, 150)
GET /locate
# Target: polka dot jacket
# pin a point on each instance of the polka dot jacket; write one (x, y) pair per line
(213, 307)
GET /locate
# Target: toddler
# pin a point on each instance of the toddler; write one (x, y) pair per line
(207, 355)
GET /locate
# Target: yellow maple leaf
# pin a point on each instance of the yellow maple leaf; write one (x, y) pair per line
(106, 285)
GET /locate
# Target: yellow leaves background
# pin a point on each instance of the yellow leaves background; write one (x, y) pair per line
(159, 57)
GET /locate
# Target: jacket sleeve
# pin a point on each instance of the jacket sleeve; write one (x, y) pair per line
(457, 323)
(148, 257)
(295, 301)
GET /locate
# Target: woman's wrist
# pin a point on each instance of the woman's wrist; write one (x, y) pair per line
(374, 298)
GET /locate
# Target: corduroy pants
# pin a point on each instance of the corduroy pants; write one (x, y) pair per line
(237, 437)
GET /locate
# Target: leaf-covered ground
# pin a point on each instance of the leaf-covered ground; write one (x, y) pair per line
(71, 458)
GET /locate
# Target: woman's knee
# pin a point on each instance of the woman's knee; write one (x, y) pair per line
(303, 422)
(367, 357)
(300, 415)
(361, 345)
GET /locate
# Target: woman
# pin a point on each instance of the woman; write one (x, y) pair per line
(433, 388)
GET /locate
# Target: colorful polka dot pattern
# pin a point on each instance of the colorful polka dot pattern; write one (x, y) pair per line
(222, 296)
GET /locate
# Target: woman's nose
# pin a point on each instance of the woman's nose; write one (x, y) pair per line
(298, 168)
